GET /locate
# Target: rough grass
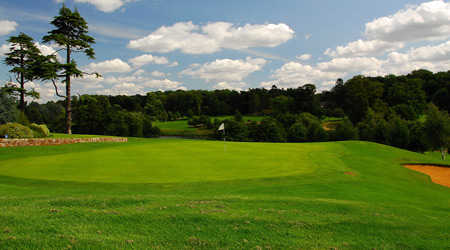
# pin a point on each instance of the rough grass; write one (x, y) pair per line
(182, 194)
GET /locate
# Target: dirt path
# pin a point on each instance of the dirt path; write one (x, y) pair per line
(439, 175)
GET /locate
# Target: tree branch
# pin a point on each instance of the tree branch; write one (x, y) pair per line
(56, 89)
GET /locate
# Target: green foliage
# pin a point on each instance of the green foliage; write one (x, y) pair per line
(8, 108)
(272, 131)
(23, 119)
(149, 130)
(40, 131)
(238, 116)
(15, 131)
(345, 131)
(418, 141)
(398, 134)
(315, 131)
(298, 133)
(70, 33)
(234, 131)
(26, 62)
(437, 129)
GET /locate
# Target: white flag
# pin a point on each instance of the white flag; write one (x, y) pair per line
(221, 127)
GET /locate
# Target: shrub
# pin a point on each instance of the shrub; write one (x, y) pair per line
(149, 130)
(40, 131)
(398, 133)
(345, 131)
(234, 131)
(15, 131)
(238, 116)
(272, 131)
(8, 108)
(297, 133)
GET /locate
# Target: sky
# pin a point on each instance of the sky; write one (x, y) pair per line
(151, 45)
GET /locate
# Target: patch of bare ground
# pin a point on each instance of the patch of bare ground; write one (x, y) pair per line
(438, 174)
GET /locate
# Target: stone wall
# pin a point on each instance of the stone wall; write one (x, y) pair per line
(4, 143)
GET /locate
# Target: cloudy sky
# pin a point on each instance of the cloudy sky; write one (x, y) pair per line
(146, 45)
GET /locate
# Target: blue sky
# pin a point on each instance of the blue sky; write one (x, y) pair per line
(145, 45)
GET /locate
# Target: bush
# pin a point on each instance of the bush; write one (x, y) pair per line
(398, 133)
(315, 131)
(40, 131)
(149, 129)
(297, 133)
(345, 131)
(15, 131)
(234, 131)
(272, 131)
(8, 108)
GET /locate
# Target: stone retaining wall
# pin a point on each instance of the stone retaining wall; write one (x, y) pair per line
(4, 143)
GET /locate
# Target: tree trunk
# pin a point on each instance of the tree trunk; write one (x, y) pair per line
(68, 98)
(22, 86)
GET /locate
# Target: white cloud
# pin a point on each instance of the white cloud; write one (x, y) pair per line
(350, 65)
(294, 74)
(225, 69)
(308, 36)
(434, 58)
(7, 27)
(122, 89)
(158, 74)
(109, 66)
(212, 37)
(104, 5)
(429, 20)
(304, 57)
(425, 22)
(163, 84)
(174, 64)
(230, 85)
(142, 60)
(363, 48)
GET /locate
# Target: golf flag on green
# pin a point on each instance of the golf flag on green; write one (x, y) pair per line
(221, 127)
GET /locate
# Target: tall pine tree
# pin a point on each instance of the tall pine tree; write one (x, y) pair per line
(71, 34)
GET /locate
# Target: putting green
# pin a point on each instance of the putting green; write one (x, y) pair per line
(175, 161)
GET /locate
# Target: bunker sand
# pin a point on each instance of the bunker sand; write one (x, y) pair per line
(439, 175)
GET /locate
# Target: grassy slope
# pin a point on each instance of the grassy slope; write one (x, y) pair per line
(208, 198)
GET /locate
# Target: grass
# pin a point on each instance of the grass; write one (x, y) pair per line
(183, 194)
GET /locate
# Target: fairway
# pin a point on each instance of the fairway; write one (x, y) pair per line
(190, 194)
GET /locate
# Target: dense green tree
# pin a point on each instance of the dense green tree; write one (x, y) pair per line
(298, 133)
(71, 34)
(238, 116)
(272, 131)
(398, 134)
(8, 108)
(418, 141)
(437, 129)
(23, 57)
(345, 131)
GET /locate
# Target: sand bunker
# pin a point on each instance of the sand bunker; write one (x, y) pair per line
(439, 175)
